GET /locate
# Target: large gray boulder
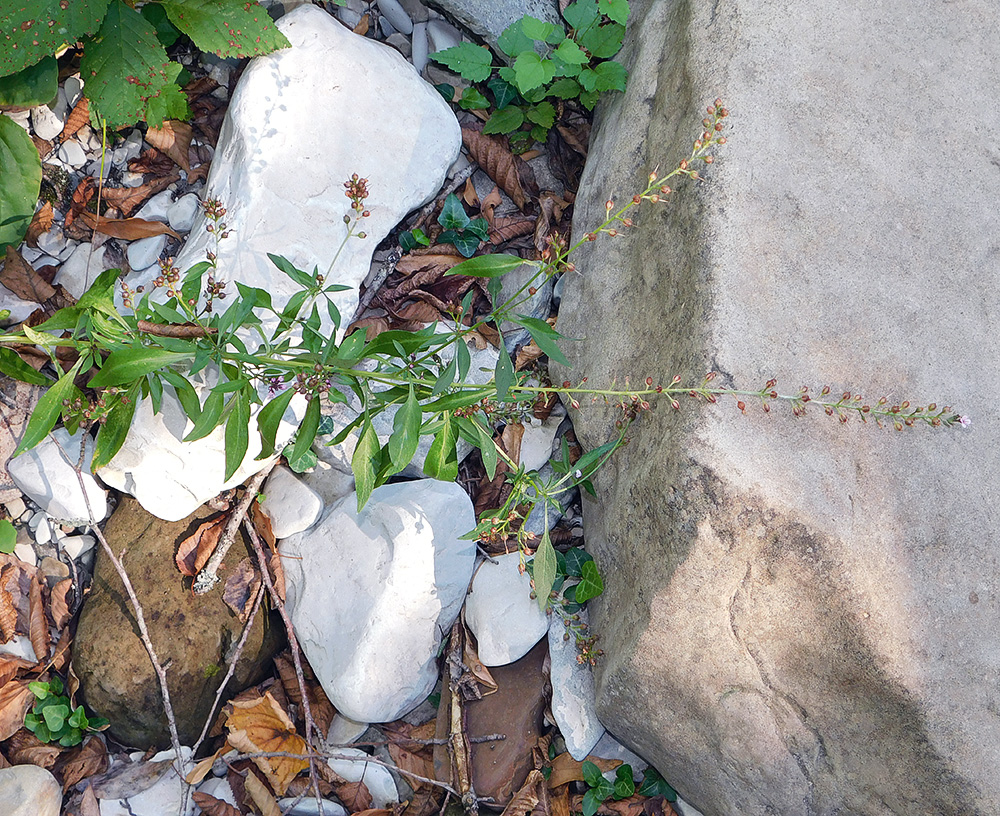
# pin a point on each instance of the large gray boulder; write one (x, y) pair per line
(800, 616)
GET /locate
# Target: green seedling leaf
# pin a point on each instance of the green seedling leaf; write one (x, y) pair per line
(582, 14)
(22, 178)
(130, 364)
(473, 99)
(544, 570)
(540, 30)
(74, 737)
(655, 785)
(487, 449)
(446, 90)
(504, 121)
(504, 374)
(55, 717)
(227, 28)
(465, 241)
(43, 733)
(365, 462)
(307, 430)
(31, 37)
(269, 419)
(405, 432)
(617, 10)
(442, 458)
(544, 114)
(603, 41)
(56, 686)
(471, 61)
(446, 379)
(12, 365)
(624, 785)
(531, 71)
(43, 418)
(238, 431)
(8, 536)
(39, 689)
(486, 266)
(513, 40)
(411, 239)
(503, 92)
(453, 215)
(545, 336)
(565, 88)
(114, 430)
(591, 584)
(35, 85)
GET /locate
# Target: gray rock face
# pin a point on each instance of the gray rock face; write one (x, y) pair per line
(27, 790)
(799, 615)
(488, 20)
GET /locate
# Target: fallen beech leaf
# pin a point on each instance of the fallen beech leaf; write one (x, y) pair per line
(40, 223)
(633, 806)
(128, 229)
(261, 796)
(528, 797)
(262, 524)
(18, 276)
(38, 626)
(60, 654)
(419, 312)
(506, 228)
(152, 161)
(320, 707)
(126, 779)
(526, 355)
(374, 812)
(261, 725)
(200, 771)
(43, 146)
(441, 257)
(241, 589)
(413, 763)
(469, 194)
(88, 804)
(129, 199)
(11, 666)
(490, 203)
(25, 748)
(173, 138)
(58, 606)
(77, 118)
(277, 574)
(577, 138)
(84, 760)
(81, 197)
(424, 803)
(470, 656)
(211, 806)
(15, 700)
(8, 615)
(511, 172)
(195, 550)
(566, 769)
(354, 795)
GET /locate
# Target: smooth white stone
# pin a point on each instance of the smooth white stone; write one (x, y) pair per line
(442, 35)
(310, 807)
(291, 505)
(52, 242)
(506, 621)
(72, 154)
(46, 124)
(46, 475)
(573, 692)
(15, 507)
(36, 520)
(181, 214)
(344, 730)
(372, 593)
(23, 118)
(28, 790)
(43, 532)
(536, 442)
(156, 208)
(81, 269)
(163, 798)
(26, 553)
(396, 15)
(609, 748)
(19, 646)
(419, 45)
(219, 788)
(44, 260)
(145, 252)
(377, 778)
(77, 546)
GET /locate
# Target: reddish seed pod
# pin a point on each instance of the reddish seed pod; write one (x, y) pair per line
(612, 232)
(659, 389)
(665, 190)
(684, 164)
(654, 198)
(636, 199)
(676, 379)
(675, 405)
(609, 204)
(718, 102)
(649, 380)
(742, 406)
(532, 290)
(709, 159)
(628, 222)
(767, 408)
(829, 410)
(932, 406)
(722, 140)
(571, 267)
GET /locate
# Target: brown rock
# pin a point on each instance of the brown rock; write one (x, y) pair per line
(191, 633)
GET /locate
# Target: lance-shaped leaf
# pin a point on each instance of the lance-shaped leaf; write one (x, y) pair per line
(442, 458)
(405, 432)
(544, 336)
(365, 462)
(307, 430)
(269, 419)
(237, 431)
(544, 569)
(43, 418)
(114, 430)
(130, 364)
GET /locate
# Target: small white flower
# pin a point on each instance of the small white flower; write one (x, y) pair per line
(964, 421)
(578, 474)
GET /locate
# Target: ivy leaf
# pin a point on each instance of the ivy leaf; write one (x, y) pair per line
(504, 121)
(531, 71)
(364, 462)
(453, 216)
(655, 785)
(31, 37)
(22, 178)
(43, 418)
(227, 28)
(544, 570)
(405, 432)
(465, 241)
(617, 10)
(575, 558)
(8, 537)
(503, 92)
(471, 61)
(624, 785)
(591, 584)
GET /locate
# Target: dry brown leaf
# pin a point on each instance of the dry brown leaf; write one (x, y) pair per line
(566, 769)
(11, 667)
(354, 796)
(81, 197)
(633, 806)
(469, 194)
(526, 355)
(84, 760)
(261, 796)
(506, 228)
(528, 797)
(362, 27)
(38, 626)
(374, 812)
(262, 524)
(241, 589)
(277, 574)
(126, 779)
(320, 707)
(77, 118)
(200, 771)
(211, 806)
(576, 137)
(43, 146)
(60, 654)
(88, 804)
(559, 801)
(511, 172)
(441, 260)
(262, 725)
(470, 657)
(658, 806)
(128, 229)
(8, 616)
(24, 748)
(424, 803)
(412, 762)
(195, 550)
(490, 203)
(58, 605)
(419, 312)
(129, 199)
(18, 276)
(15, 700)
(152, 161)
(41, 223)
(173, 138)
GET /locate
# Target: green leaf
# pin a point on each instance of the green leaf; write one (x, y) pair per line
(442, 458)
(74, 737)
(531, 71)
(166, 32)
(114, 430)
(303, 279)
(545, 336)
(29, 35)
(624, 785)
(269, 419)
(503, 92)
(8, 536)
(589, 98)
(487, 448)
(78, 719)
(208, 419)
(465, 241)
(308, 460)
(169, 102)
(570, 53)
(123, 66)
(544, 570)
(55, 716)
(446, 90)
(129, 364)
(43, 733)
(504, 121)
(582, 14)
(504, 374)
(35, 85)
(575, 558)
(365, 462)
(617, 10)
(606, 76)
(405, 432)
(227, 28)
(655, 785)
(446, 379)
(22, 178)
(39, 689)
(603, 41)
(471, 61)
(473, 99)
(411, 239)
(540, 30)
(591, 584)
(307, 430)
(513, 40)
(12, 365)
(453, 215)
(238, 431)
(565, 88)
(479, 227)
(43, 418)
(544, 114)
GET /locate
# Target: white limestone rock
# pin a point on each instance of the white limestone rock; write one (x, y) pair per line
(47, 476)
(506, 621)
(47, 123)
(344, 730)
(145, 252)
(309, 807)
(537, 440)
(377, 778)
(28, 790)
(181, 214)
(371, 593)
(81, 269)
(163, 797)
(573, 696)
(290, 505)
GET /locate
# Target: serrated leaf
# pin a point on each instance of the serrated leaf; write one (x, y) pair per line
(471, 61)
(30, 37)
(21, 169)
(603, 41)
(591, 584)
(617, 10)
(503, 92)
(34, 85)
(609, 76)
(570, 54)
(538, 29)
(405, 432)
(442, 458)
(513, 40)
(532, 71)
(543, 114)
(43, 418)
(582, 14)
(364, 462)
(504, 121)
(565, 88)
(129, 364)
(544, 570)
(166, 32)
(473, 99)
(238, 432)
(8, 536)
(114, 430)
(227, 28)
(170, 102)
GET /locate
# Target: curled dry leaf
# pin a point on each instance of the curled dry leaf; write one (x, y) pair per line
(43, 146)
(526, 355)
(363, 24)
(490, 203)
(511, 172)
(15, 700)
(81, 197)
(77, 118)
(18, 276)
(8, 615)
(128, 229)
(87, 759)
(152, 161)
(202, 768)
(38, 626)
(211, 806)
(11, 667)
(262, 524)
(354, 796)
(261, 796)
(566, 769)
(173, 139)
(470, 657)
(507, 228)
(559, 801)
(126, 779)
(41, 223)
(24, 748)
(528, 797)
(129, 199)
(261, 725)
(469, 194)
(58, 605)
(241, 589)
(195, 550)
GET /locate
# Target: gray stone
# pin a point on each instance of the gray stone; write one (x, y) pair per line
(396, 15)
(145, 252)
(81, 269)
(488, 20)
(165, 796)
(72, 154)
(418, 41)
(27, 790)
(290, 505)
(798, 615)
(157, 207)
(372, 592)
(181, 214)
(574, 702)
(46, 123)
(352, 764)
(441, 35)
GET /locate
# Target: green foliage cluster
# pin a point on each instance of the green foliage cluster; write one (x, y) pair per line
(53, 719)
(547, 64)
(464, 232)
(600, 789)
(8, 536)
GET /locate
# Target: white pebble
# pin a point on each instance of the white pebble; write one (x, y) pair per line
(46, 123)
(156, 208)
(26, 553)
(74, 89)
(145, 252)
(181, 214)
(52, 242)
(442, 35)
(396, 15)
(15, 507)
(419, 44)
(77, 546)
(43, 532)
(72, 154)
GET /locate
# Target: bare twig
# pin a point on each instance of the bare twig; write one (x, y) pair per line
(183, 330)
(458, 739)
(208, 578)
(384, 271)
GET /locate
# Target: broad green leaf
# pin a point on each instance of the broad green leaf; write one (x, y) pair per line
(592, 774)
(487, 266)
(453, 215)
(545, 336)
(34, 85)
(114, 430)
(591, 584)
(308, 460)
(471, 61)
(606, 76)
(544, 114)
(8, 537)
(169, 102)
(513, 40)
(574, 560)
(238, 431)
(655, 785)
(303, 279)
(589, 98)
(166, 32)
(124, 65)
(503, 92)
(12, 365)
(617, 10)
(544, 570)
(40, 689)
(582, 14)
(570, 53)
(269, 419)
(307, 430)
(364, 463)
(405, 432)
(43, 418)
(624, 785)
(539, 133)
(479, 227)
(227, 28)
(565, 88)
(504, 121)
(531, 71)
(22, 177)
(446, 379)
(540, 30)
(129, 364)
(446, 90)
(504, 374)
(603, 41)
(78, 719)
(465, 241)
(472, 99)
(30, 37)
(55, 716)
(442, 458)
